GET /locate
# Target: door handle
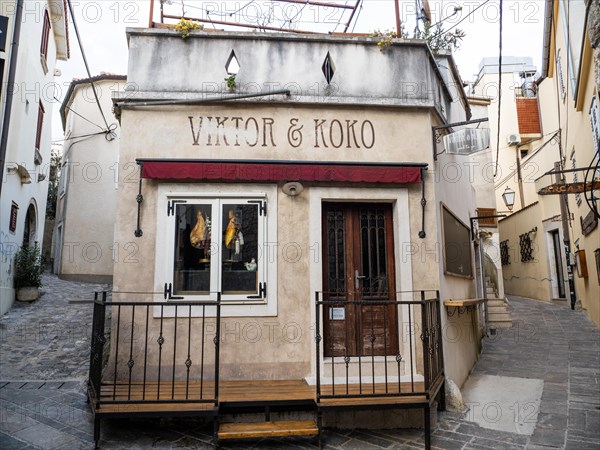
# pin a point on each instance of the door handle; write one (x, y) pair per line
(357, 279)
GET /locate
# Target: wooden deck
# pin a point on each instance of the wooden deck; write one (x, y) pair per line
(178, 396)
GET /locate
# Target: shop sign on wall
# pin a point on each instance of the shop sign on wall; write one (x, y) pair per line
(236, 131)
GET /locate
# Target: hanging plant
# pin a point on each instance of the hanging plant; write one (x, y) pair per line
(184, 27)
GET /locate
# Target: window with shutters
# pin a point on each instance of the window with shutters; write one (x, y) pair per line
(45, 37)
(217, 245)
(40, 125)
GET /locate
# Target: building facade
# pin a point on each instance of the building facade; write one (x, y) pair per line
(87, 196)
(293, 185)
(39, 32)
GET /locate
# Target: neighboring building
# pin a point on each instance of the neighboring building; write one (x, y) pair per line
(87, 193)
(27, 70)
(569, 102)
(283, 202)
(549, 124)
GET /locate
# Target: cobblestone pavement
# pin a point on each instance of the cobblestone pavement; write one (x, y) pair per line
(43, 362)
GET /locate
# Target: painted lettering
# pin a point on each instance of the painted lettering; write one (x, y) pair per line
(319, 128)
(295, 133)
(256, 131)
(195, 135)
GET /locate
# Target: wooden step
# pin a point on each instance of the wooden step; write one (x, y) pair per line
(252, 430)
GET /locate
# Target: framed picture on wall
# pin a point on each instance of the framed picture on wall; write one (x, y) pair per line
(457, 245)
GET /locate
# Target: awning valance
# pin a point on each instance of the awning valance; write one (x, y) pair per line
(274, 171)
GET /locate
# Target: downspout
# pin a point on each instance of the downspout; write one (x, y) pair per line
(12, 68)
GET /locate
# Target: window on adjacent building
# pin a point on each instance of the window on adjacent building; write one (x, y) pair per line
(573, 15)
(504, 253)
(218, 245)
(45, 36)
(14, 211)
(526, 247)
(40, 124)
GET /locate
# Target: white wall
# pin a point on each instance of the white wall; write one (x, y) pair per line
(32, 84)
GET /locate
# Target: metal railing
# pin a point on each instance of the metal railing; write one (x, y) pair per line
(154, 352)
(399, 350)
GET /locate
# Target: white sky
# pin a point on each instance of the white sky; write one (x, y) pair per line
(102, 26)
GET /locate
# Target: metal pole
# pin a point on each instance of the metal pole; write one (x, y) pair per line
(398, 24)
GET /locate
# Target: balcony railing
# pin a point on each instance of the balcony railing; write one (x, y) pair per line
(154, 352)
(399, 351)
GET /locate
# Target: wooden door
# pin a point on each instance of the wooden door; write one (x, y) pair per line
(358, 266)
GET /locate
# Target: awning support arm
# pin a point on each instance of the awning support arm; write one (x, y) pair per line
(140, 198)
(436, 136)
(422, 233)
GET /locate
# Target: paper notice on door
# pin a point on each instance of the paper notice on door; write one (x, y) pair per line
(337, 313)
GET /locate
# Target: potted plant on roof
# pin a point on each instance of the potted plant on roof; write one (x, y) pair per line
(28, 273)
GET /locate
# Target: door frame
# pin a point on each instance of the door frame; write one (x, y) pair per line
(398, 197)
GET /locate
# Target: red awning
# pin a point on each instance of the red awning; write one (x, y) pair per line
(268, 171)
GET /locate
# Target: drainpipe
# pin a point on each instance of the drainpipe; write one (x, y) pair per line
(12, 68)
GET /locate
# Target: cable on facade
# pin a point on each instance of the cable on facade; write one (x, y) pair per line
(77, 114)
(87, 68)
(499, 93)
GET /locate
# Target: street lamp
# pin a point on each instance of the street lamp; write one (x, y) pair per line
(509, 198)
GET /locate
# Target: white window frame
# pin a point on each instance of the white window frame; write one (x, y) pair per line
(232, 305)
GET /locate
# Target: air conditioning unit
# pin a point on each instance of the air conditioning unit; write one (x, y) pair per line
(514, 139)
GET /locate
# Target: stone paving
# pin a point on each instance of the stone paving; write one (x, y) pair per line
(44, 358)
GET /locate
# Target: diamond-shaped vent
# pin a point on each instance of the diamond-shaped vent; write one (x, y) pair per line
(328, 68)
(233, 66)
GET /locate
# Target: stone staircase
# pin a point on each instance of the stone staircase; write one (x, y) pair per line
(498, 312)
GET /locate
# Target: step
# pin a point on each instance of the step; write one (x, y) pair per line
(252, 430)
(496, 302)
(500, 324)
(493, 317)
(497, 309)
(490, 290)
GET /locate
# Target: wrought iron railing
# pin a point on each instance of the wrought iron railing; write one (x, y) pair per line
(158, 352)
(398, 351)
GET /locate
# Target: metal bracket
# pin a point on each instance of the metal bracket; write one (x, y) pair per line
(262, 206)
(262, 292)
(171, 206)
(168, 291)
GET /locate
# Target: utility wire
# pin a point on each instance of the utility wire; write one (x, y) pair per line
(80, 136)
(84, 118)
(87, 68)
(358, 15)
(465, 18)
(499, 92)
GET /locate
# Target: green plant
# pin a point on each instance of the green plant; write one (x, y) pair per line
(438, 39)
(230, 80)
(55, 162)
(385, 38)
(184, 27)
(28, 267)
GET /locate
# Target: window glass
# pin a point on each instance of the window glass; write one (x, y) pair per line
(215, 247)
(239, 248)
(192, 262)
